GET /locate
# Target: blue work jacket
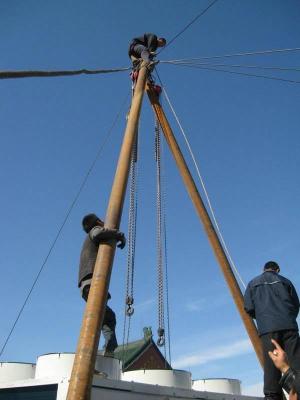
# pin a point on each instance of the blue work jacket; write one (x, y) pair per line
(272, 300)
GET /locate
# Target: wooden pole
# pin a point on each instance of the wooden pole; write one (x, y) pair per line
(205, 218)
(84, 363)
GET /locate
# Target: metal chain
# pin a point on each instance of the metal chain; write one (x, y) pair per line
(161, 317)
(131, 232)
(164, 225)
(132, 220)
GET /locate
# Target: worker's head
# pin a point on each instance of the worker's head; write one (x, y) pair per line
(272, 266)
(161, 42)
(90, 221)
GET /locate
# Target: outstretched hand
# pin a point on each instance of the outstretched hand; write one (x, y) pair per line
(279, 357)
(121, 240)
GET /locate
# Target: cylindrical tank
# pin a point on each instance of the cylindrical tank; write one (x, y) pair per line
(54, 365)
(12, 371)
(59, 365)
(108, 367)
(162, 377)
(218, 385)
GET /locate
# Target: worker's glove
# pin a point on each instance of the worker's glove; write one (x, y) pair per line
(120, 237)
(117, 235)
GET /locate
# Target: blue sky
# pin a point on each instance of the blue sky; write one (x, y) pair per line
(244, 132)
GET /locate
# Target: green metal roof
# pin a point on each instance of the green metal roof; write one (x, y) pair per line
(130, 351)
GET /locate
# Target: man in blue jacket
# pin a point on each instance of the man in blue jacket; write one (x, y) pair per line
(272, 301)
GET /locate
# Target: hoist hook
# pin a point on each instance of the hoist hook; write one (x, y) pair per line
(129, 303)
(161, 337)
(129, 311)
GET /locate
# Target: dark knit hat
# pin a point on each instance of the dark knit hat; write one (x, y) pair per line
(271, 265)
(90, 221)
(162, 39)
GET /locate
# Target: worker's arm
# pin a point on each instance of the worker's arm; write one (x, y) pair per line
(279, 357)
(100, 235)
(294, 297)
(280, 360)
(248, 302)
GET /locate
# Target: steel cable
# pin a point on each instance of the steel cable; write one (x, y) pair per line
(274, 78)
(216, 225)
(49, 74)
(69, 210)
(188, 25)
(249, 53)
(272, 68)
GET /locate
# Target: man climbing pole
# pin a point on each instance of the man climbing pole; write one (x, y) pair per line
(144, 47)
(272, 300)
(97, 234)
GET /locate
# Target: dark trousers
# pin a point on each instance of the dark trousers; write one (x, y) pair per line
(289, 341)
(140, 51)
(108, 327)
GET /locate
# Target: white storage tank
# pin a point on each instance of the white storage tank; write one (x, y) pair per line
(54, 365)
(13, 371)
(218, 385)
(59, 365)
(163, 377)
(108, 367)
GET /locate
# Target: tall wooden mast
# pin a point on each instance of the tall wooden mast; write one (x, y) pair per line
(83, 368)
(205, 218)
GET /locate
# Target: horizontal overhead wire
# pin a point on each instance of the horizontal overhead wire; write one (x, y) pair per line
(47, 74)
(242, 73)
(69, 210)
(262, 67)
(203, 186)
(241, 54)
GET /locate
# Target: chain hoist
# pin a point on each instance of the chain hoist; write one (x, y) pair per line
(159, 221)
(131, 231)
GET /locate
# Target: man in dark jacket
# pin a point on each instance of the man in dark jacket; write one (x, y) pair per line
(144, 47)
(97, 234)
(272, 300)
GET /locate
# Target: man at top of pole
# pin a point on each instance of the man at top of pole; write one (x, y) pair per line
(144, 47)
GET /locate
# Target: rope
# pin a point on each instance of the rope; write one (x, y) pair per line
(204, 188)
(249, 53)
(188, 25)
(69, 210)
(47, 74)
(246, 74)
